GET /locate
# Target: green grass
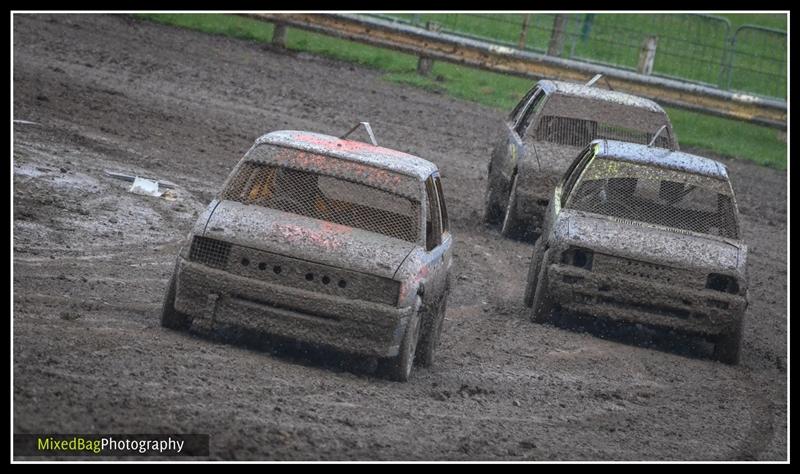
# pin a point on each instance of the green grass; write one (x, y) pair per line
(763, 145)
(725, 137)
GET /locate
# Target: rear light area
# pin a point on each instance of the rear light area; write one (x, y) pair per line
(723, 283)
(578, 257)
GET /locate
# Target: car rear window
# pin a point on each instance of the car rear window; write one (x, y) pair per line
(578, 132)
(575, 121)
(653, 195)
(325, 197)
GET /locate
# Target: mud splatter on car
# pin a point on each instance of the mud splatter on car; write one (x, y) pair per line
(326, 241)
(542, 135)
(646, 235)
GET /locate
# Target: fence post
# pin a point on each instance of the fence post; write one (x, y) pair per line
(647, 55)
(556, 45)
(279, 35)
(524, 33)
(425, 63)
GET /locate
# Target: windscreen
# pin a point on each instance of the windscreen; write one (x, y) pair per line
(325, 197)
(653, 195)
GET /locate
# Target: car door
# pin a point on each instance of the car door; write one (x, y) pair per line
(438, 241)
(510, 148)
(447, 238)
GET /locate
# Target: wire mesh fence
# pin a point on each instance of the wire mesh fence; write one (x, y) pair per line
(757, 56)
(704, 49)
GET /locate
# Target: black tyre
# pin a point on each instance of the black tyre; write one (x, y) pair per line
(533, 273)
(398, 368)
(512, 227)
(728, 346)
(496, 197)
(542, 305)
(431, 334)
(170, 318)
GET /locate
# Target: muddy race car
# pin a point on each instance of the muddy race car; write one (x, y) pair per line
(323, 240)
(542, 135)
(646, 235)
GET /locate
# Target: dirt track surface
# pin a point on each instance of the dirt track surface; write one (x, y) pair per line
(91, 263)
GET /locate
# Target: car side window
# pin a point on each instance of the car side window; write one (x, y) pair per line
(442, 206)
(517, 112)
(536, 103)
(575, 171)
(433, 225)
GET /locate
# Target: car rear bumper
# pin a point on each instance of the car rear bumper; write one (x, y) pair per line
(210, 296)
(622, 298)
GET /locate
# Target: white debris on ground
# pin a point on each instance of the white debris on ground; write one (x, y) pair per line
(144, 186)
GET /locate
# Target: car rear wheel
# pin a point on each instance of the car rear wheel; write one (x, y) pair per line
(728, 346)
(431, 334)
(171, 318)
(398, 368)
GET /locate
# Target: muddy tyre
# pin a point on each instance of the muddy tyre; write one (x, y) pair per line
(399, 368)
(533, 273)
(431, 334)
(542, 304)
(170, 318)
(496, 197)
(512, 226)
(728, 346)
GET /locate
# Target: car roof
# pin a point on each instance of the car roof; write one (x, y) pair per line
(662, 157)
(591, 92)
(377, 156)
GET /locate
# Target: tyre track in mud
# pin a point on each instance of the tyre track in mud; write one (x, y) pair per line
(110, 92)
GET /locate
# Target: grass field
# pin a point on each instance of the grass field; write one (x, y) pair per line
(762, 145)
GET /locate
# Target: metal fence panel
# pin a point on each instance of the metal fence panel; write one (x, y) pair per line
(691, 47)
(757, 61)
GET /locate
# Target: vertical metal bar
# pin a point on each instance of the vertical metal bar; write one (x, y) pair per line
(574, 35)
(588, 20)
(732, 57)
(524, 31)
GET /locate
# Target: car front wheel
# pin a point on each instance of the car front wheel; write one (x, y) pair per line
(533, 273)
(432, 332)
(542, 305)
(398, 368)
(728, 346)
(170, 317)
(495, 202)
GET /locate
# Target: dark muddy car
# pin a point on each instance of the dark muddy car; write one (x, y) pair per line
(542, 135)
(332, 242)
(644, 235)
